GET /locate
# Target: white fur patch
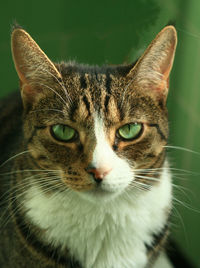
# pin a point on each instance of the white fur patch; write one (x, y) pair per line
(102, 234)
(121, 174)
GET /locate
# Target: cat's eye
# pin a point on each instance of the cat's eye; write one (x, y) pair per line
(63, 133)
(130, 131)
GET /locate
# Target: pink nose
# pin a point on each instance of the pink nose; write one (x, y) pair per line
(99, 173)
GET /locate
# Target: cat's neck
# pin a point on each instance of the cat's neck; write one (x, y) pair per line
(97, 233)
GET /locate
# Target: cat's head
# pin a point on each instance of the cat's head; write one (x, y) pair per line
(101, 129)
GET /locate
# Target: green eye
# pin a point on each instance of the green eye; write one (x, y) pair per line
(63, 132)
(130, 131)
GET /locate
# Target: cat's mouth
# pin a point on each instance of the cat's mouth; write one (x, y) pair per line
(100, 193)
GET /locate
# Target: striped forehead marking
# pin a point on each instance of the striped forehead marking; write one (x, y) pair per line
(96, 91)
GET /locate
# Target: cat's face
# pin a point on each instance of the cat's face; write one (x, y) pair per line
(100, 129)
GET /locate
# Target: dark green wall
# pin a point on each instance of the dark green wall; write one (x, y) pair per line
(112, 31)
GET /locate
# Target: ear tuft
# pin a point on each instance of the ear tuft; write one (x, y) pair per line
(15, 26)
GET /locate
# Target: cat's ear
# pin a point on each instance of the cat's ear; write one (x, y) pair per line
(152, 70)
(34, 68)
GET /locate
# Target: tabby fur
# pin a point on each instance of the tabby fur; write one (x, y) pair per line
(53, 212)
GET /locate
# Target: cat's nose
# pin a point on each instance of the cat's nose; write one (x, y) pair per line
(98, 173)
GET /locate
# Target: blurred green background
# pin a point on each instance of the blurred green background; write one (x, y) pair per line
(112, 32)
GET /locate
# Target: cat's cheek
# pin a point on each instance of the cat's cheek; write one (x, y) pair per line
(77, 183)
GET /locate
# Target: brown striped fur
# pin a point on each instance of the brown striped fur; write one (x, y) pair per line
(70, 94)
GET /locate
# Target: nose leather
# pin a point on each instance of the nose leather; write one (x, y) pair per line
(98, 173)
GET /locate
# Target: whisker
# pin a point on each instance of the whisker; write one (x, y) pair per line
(141, 185)
(29, 170)
(155, 179)
(174, 175)
(185, 205)
(64, 102)
(42, 110)
(169, 169)
(179, 187)
(62, 85)
(26, 182)
(20, 205)
(12, 157)
(181, 220)
(147, 178)
(182, 149)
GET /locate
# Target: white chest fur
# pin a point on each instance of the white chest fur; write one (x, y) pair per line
(107, 235)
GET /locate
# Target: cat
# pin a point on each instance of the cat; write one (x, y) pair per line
(85, 181)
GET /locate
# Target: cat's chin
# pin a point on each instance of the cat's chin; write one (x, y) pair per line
(99, 195)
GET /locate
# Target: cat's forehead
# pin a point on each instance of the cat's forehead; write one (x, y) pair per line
(101, 90)
(94, 78)
(93, 93)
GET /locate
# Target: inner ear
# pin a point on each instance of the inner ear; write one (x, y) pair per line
(152, 70)
(32, 65)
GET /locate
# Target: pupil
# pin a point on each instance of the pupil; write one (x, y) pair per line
(63, 129)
